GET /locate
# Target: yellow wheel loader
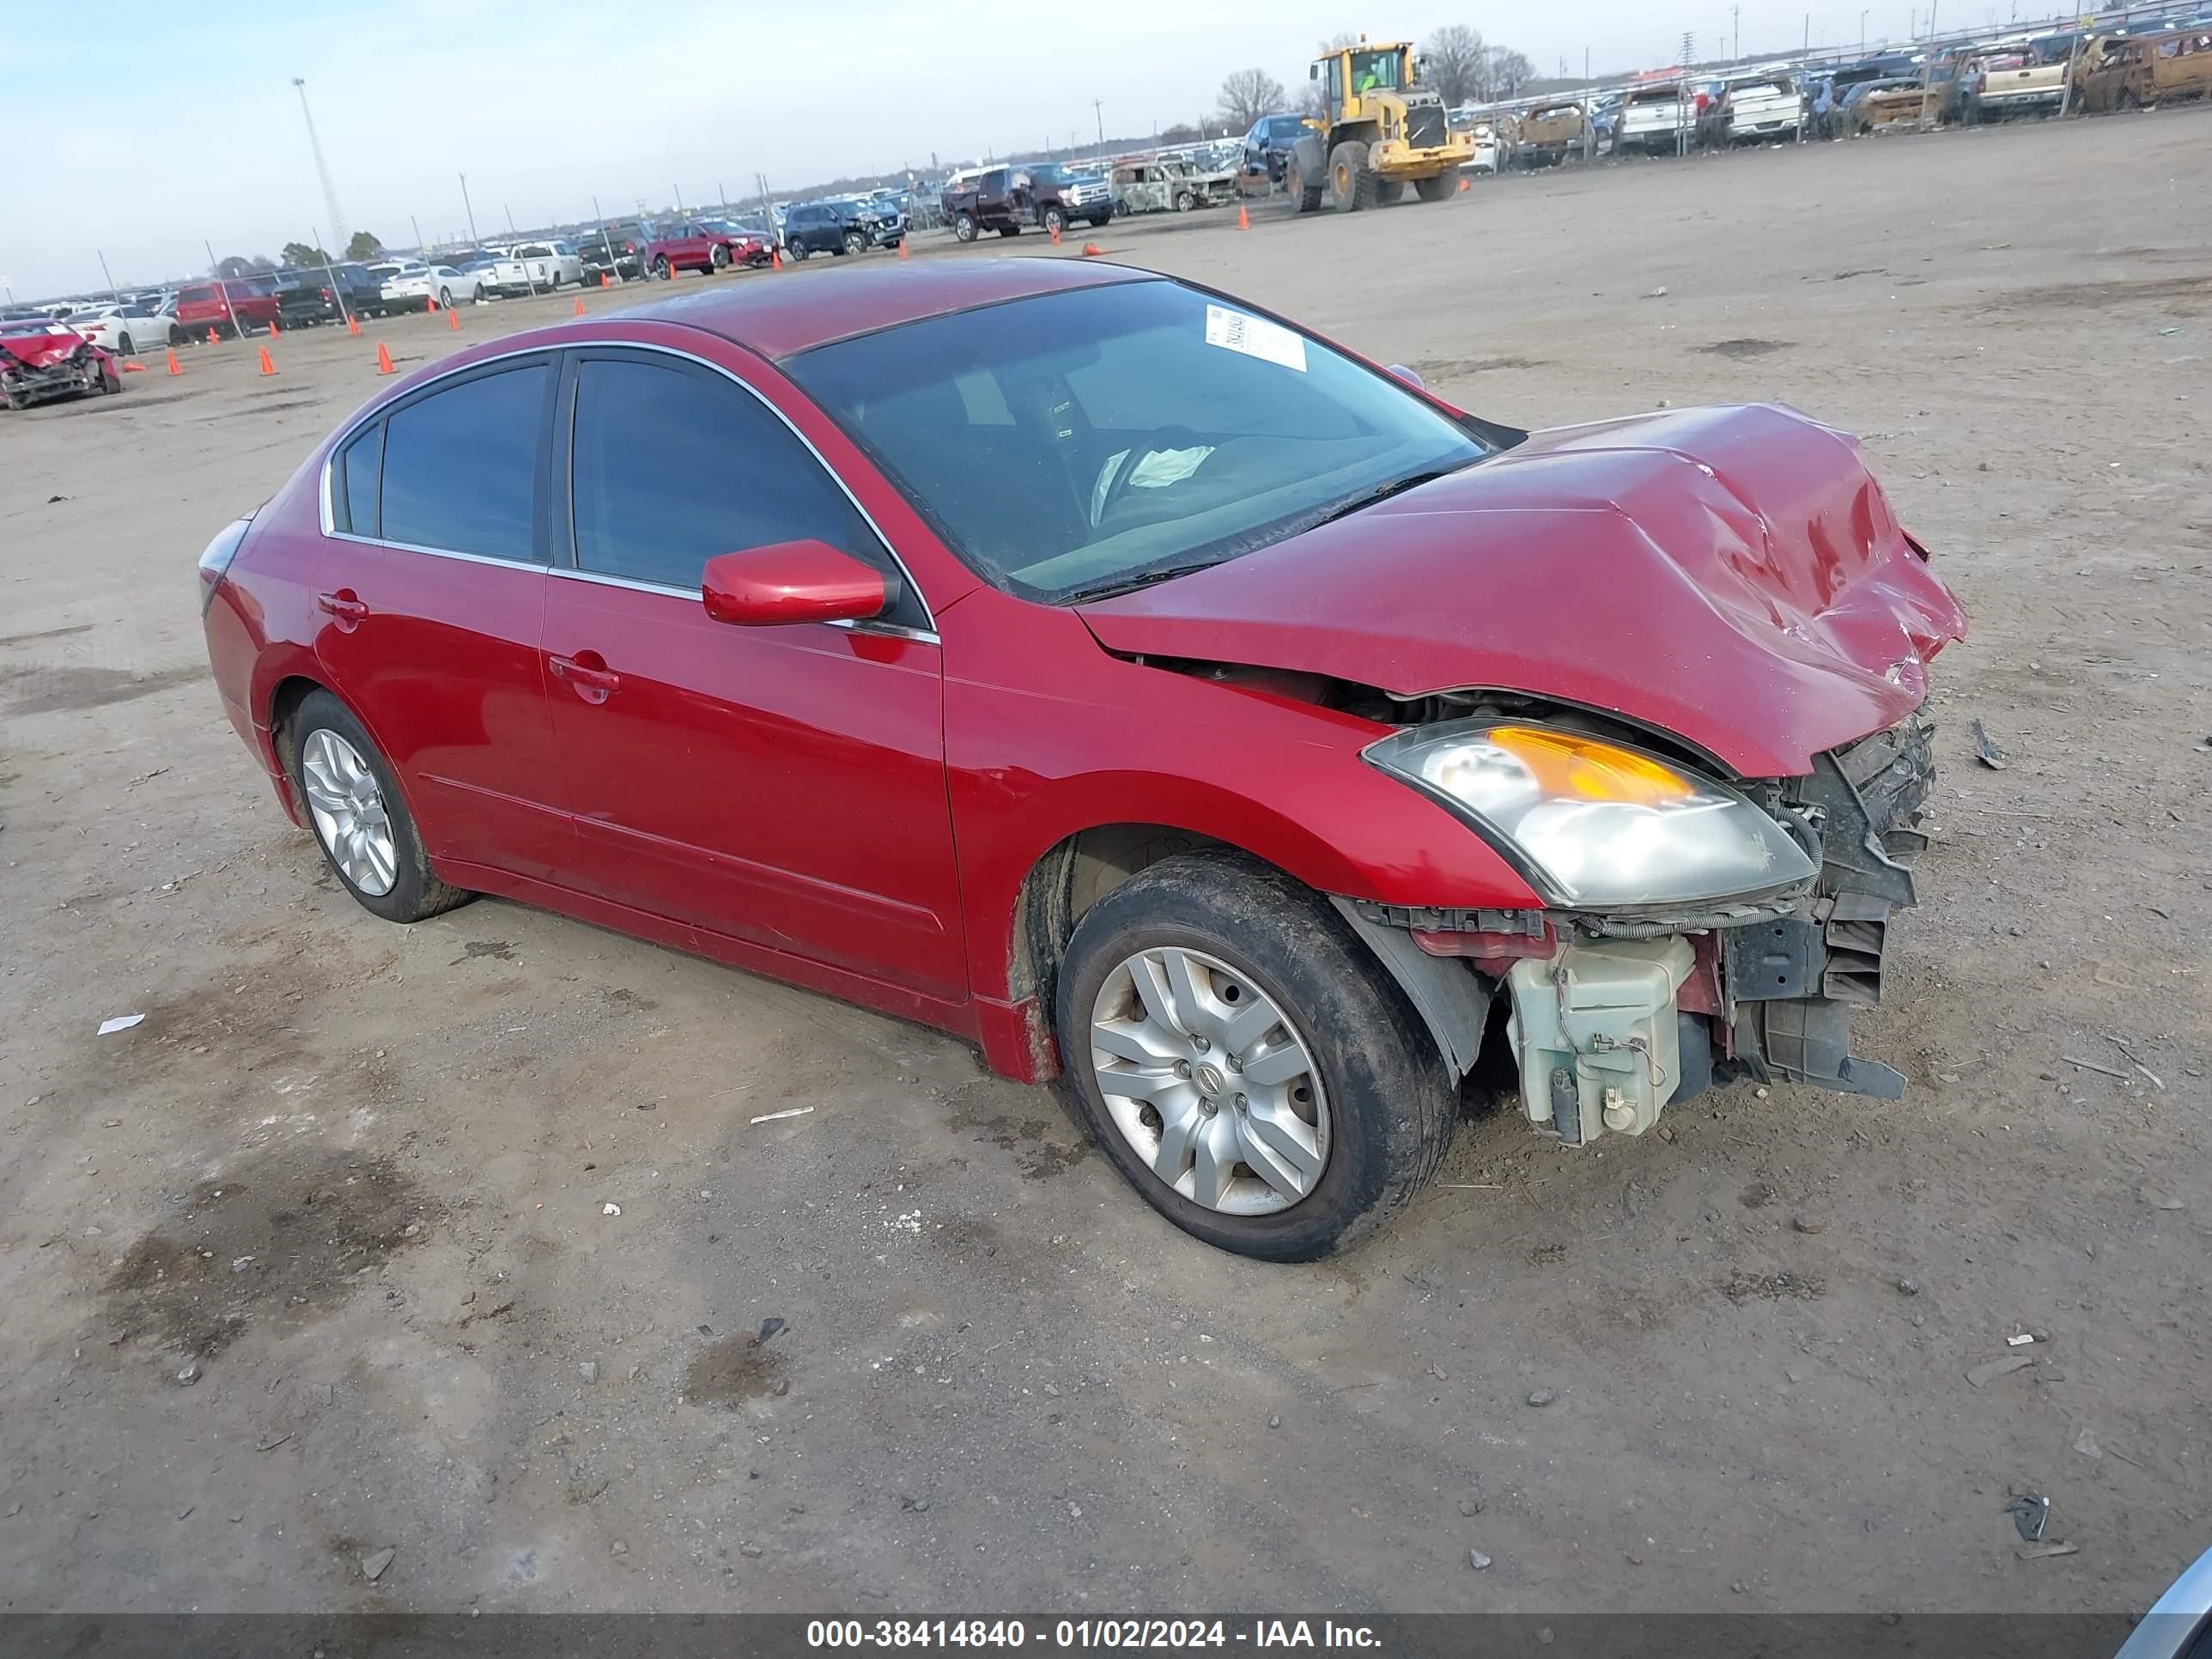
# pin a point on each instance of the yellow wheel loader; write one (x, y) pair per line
(1379, 132)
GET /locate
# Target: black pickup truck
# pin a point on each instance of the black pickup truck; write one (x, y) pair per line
(997, 200)
(615, 248)
(318, 293)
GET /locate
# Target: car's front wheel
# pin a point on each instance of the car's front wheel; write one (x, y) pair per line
(718, 258)
(361, 820)
(856, 242)
(1054, 222)
(1245, 1062)
(177, 335)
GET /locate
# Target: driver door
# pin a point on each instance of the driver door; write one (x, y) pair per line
(783, 786)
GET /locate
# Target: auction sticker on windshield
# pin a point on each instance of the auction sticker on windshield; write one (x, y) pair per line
(1254, 337)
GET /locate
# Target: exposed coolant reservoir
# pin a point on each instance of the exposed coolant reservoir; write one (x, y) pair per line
(1595, 1031)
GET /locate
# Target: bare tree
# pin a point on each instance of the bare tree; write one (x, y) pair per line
(1455, 59)
(1509, 71)
(1249, 94)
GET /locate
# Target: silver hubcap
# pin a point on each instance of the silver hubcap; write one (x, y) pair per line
(1210, 1082)
(349, 810)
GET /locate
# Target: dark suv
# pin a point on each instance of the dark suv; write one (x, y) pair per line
(1268, 145)
(327, 293)
(839, 228)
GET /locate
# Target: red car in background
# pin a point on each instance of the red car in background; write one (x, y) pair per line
(708, 245)
(1130, 682)
(41, 360)
(228, 307)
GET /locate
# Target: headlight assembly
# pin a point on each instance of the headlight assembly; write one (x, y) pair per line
(1593, 824)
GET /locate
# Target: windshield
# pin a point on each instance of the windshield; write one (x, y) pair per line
(1370, 69)
(1072, 444)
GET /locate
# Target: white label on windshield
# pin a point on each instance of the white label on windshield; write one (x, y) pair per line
(1254, 337)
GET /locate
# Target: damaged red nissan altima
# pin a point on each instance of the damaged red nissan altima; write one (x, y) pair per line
(1132, 683)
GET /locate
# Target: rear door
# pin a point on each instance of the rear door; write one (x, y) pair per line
(431, 618)
(781, 785)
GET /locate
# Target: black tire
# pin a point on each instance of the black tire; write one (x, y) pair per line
(799, 252)
(445, 299)
(177, 335)
(662, 271)
(963, 226)
(718, 258)
(1054, 221)
(1351, 180)
(126, 345)
(1100, 221)
(1309, 194)
(856, 242)
(1392, 1110)
(1438, 188)
(417, 894)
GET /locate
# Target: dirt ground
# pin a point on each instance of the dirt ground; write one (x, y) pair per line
(363, 1177)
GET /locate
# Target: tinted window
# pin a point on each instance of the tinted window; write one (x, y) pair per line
(460, 466)
(674, 466)
(358, 469)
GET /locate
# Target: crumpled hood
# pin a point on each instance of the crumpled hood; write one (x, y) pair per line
(1734, 576)
(40, 351)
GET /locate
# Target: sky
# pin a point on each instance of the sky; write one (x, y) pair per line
(190, 133)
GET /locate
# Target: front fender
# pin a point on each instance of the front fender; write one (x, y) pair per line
(1306, 156)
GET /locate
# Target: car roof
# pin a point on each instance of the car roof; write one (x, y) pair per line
(778, 316)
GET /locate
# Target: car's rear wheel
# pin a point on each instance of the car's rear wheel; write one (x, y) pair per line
(662, 271)
(177, 335)
(126, 345)
(360, 818)
(963, 227)
(799, 251)
(1245, 1061)
(445, 299)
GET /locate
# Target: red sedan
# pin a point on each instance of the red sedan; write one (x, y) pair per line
(1127, 681)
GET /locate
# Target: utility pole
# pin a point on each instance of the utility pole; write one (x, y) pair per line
(1863, 17)
(315, 144)
(1098, 110)
(1682, 99)
(1735, 15)
(469, 208)
(344, 310)
(113, 293)
(527, 275)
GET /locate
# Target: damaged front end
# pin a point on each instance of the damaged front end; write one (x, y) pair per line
(1629, 991)
(36, 366)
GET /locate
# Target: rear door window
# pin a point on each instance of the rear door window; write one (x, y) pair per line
(359, 467)
(461, 465)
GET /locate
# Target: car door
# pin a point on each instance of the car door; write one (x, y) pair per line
(430, 620)
(783, 786)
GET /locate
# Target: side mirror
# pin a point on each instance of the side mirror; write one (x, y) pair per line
(1407, 375)
(1313, 71)
(785, 582)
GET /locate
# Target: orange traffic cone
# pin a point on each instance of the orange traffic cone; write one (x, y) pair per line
(210, 337)
(454, 319)
(1243, 219)
(430, 302)
(603, 280)
(175, 367)
(1092, 251)
(267, 367)
(1466, 184)
(580, 305)
(353, 326)
(130, 366)
(775, 259)
(1055, 235)
(272, 328)
(384, 359)
(903, 254)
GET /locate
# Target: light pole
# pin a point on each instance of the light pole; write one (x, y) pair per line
(1863, 17)
(469, 209)
(322, 167)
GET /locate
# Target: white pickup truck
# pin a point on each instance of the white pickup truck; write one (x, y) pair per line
(1754, 107)
(534, 268)
(1653, 116)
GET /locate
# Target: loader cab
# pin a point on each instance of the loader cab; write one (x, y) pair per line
(1357, 72)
